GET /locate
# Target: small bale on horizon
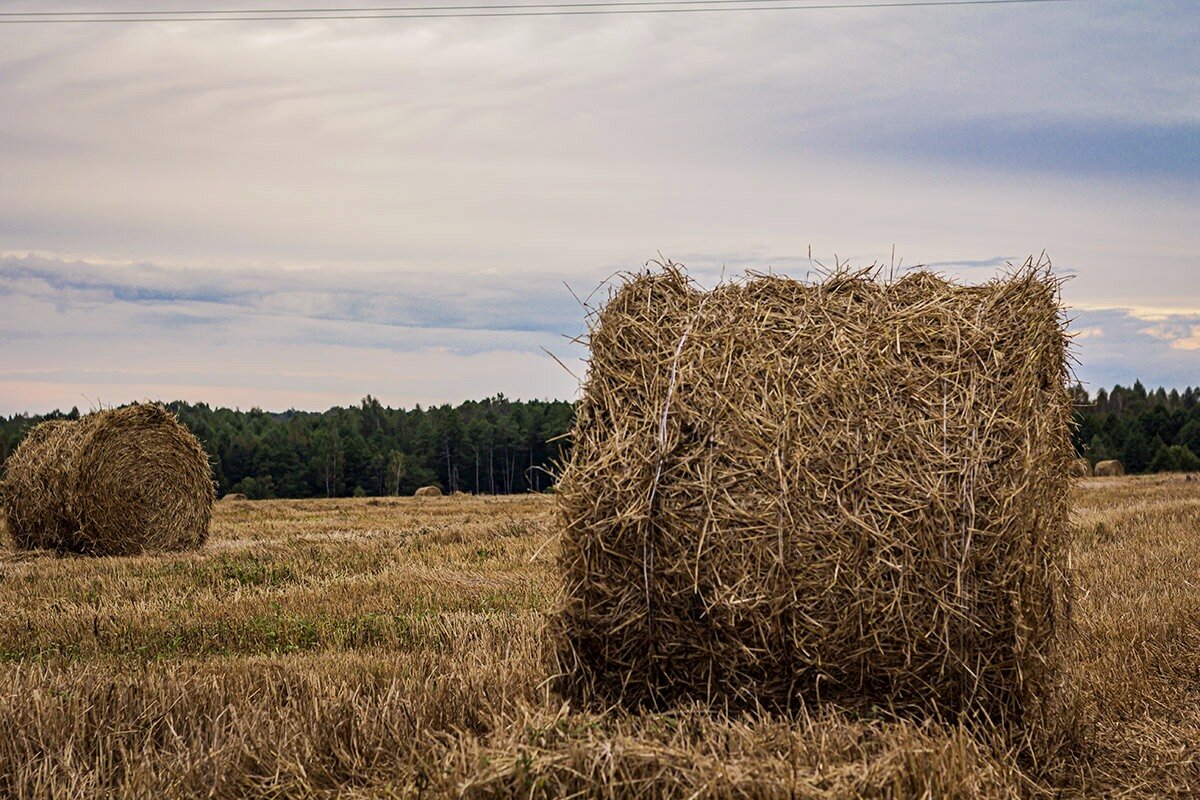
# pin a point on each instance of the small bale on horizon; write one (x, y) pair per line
(428, 491)
(1109, 469)
(233, 497)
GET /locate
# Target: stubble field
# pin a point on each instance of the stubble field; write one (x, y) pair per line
(394, 648)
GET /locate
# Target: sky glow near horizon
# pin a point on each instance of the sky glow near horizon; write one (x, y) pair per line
(299, 214)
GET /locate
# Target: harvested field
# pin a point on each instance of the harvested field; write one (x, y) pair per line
(359, 648)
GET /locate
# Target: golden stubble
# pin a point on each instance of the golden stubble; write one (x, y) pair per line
(395, 648)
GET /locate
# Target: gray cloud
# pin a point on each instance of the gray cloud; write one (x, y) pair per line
(1093, 147)
(83, 332)
(1120, 345)
(79, 332)
(554, 145)
(482, 302)
(229, 207)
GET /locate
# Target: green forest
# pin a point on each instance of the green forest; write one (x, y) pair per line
(492, 446)
(1155, 431)
(502, 446)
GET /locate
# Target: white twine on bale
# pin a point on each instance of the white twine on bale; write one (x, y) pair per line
(647, 551)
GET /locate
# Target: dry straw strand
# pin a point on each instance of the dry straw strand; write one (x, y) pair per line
(858, 494)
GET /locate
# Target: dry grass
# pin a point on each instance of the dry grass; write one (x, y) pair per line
(389, 648)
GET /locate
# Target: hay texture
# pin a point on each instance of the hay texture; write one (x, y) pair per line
(36, 487)
(428, 491)
(781, 493)
(1081, 468)
(1109, 469)
(117, 482)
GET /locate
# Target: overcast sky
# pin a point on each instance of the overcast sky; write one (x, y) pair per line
(296, 214)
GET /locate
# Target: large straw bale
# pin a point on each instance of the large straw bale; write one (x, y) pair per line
(1109, 469)
(120, 481)
(784, 492)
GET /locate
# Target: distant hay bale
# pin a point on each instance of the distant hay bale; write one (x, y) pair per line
(233, 497)
(1081, 468)
(1109, 469)
(117, 482)
(142, 482)
(36, 499)
(428, 491)
(781, 493)
(457, 493)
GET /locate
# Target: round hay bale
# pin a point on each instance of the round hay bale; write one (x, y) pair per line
(141, 482)
(233, 497)
(36, 504)
(428, 491)
(117, 482)
(1081, 468)
(1109, 469)
(458, 493)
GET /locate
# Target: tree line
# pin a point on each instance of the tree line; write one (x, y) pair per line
(1156, 431)
(492, 446)
(502, 446)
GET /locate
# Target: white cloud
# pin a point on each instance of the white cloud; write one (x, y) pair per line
(1189, 342)
(557, 145)
(417, 192)
(78, 332)
(1162, 354)
(1145, 313)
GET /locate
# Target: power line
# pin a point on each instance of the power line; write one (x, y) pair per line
(467, 12)
(364, 9)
